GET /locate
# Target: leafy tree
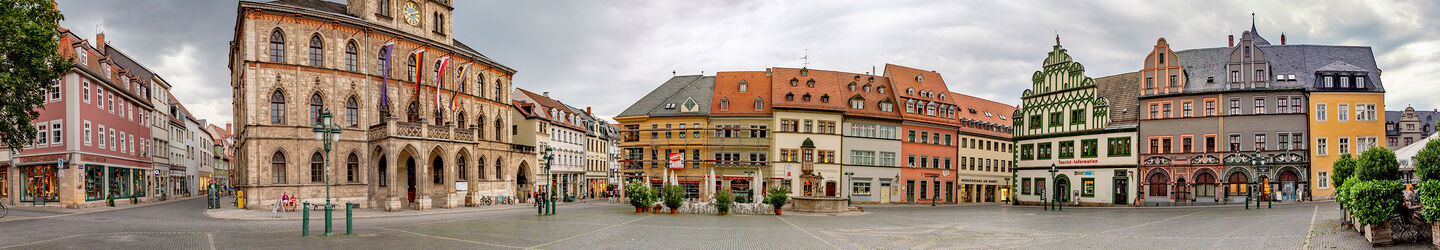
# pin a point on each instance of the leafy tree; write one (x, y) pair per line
(1378, 164)
(1427, 162)
(29, 61)
(1343, 169)
(640, 195)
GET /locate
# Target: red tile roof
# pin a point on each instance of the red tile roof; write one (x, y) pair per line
(727, 88)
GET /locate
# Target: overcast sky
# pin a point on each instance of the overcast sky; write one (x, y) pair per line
(607, 54)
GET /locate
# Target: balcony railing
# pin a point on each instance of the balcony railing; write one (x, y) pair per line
(394, 128)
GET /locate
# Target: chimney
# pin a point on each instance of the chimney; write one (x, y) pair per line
(100, 40)
(1232, 41)
(546, 94)
(1282, 38)
(587, 110)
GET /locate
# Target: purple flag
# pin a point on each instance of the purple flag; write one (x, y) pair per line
(384, 94)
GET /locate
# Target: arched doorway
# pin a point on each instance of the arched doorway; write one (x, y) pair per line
(1287, 185)
(1062, 188)
(1205, 187)
(1157, 186)
(1239, 185)
(1182, 191)
(522, 181)
(1264, 184)
(410, 179)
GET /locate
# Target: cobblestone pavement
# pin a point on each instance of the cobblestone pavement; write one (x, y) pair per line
(598, 225)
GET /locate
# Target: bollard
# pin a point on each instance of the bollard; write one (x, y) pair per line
(328, 220)
(305, 222)
(350, 218)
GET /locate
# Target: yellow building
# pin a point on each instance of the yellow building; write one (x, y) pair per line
(1343, 122)
(671, 119)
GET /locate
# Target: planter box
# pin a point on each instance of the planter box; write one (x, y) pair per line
(1378, 235)
(1435, 234)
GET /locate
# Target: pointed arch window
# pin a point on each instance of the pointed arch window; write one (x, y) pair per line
(411, 113)
(352, 168)
(460, 168)
(480, 123)
(352, 57)
(317, 51)
(277, 168)
(440, 80)
(480, 85)
(277, 46)
(460, 120)
(499, 129)
(439, 117)
(352, 112)
(317, 105)
(499, 90)
(380, 62)
(499, 171)
(277, 107)
(480, 173)
(410, 67)
(317, 167)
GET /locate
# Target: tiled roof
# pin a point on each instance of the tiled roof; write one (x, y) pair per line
(544, 103)
(124, 61)
(1299, 60)
(320, 5)
(675, 91)
(727, 87)
(1427, 120)
(826, 84)
(1122, 92)
(906, 78)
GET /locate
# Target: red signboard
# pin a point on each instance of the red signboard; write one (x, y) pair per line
(677, 161)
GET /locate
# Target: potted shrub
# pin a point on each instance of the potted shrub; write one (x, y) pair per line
(639, 194)
(1373, 197)
(1429, 197)
(1427, 169)
(1344, 168)
(674, 196)
(723, 200)
(776, 198)
(1372, 203)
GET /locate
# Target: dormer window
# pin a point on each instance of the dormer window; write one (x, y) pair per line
(669, 106)
(804, 72)
(789, 96)
(825, 98)
(744, 86)
(806, 97)
(910, 91)
(942, 96)
(810, 83)
(794, 82)
(880, 89)
(919, 78)
(83, 55)
(852, 86)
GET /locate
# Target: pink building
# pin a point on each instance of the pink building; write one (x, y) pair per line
(92, 134)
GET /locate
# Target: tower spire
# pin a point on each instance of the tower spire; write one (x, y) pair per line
(1252, 24)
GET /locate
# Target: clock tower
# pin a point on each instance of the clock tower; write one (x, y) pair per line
(424, 18)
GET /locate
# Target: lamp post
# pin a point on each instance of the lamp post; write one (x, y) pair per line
(325, 130)
(1059, 206)
(851, 184)
(550, 194)
(1259, 165)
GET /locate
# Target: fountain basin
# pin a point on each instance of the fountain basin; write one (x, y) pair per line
(812, 204)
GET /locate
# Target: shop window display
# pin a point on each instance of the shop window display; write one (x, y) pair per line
(137, 176)
(119, 183)
(40, 182)
(94, 182)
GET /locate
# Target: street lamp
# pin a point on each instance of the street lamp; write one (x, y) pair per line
(1259, 164)
(1056, 199)
(850, 183)
(549, 199)
(325, 130)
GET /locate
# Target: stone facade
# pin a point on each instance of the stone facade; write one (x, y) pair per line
(292, 59)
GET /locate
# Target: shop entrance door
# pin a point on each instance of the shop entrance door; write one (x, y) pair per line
(885, 192)
(949, 192)
(910, 191)
(1121, 196)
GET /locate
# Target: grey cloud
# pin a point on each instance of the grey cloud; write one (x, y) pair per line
(606, 54)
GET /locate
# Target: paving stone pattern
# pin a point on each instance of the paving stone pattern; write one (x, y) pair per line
(598, 225)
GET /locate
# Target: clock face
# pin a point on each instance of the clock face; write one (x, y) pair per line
(412, 13)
